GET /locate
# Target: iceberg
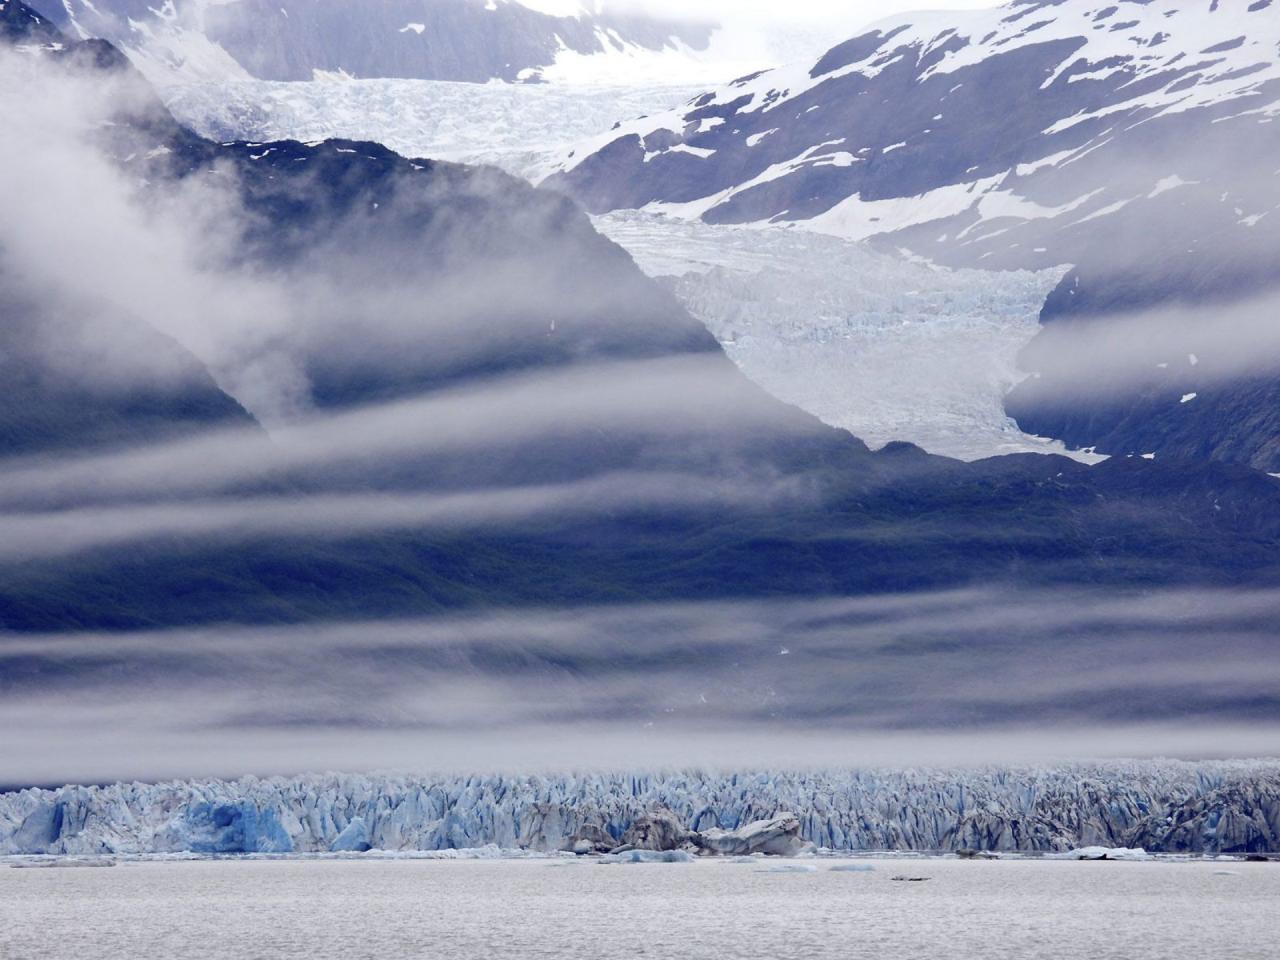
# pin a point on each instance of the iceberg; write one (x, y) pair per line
(1106, 853)
(779, 836)
(650, 856)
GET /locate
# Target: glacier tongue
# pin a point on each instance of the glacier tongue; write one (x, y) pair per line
(1225, 806)
(888, 347)
(521, 128)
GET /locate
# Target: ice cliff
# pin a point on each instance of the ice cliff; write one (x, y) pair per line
(1227, 806)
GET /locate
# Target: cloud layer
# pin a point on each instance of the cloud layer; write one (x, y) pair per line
(968, 676)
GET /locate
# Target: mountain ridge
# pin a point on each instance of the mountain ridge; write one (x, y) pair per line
(529, 288)
(1130, 141)
(473, 41)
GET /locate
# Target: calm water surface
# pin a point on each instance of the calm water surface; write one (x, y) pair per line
(528, 909)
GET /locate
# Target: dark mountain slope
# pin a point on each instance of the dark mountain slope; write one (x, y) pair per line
(59, 391)
(407, 280)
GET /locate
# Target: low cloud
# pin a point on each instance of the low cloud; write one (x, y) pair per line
(955, 677)
(1123, 352)
(41, 535)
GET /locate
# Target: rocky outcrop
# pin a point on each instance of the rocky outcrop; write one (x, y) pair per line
(659, 829)
(590, 838)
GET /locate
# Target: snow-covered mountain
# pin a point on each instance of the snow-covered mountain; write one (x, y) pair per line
(465, 40)
(1229, 806)
(1009, 136)
(888, 348)
(327, 282)
(1133, 141)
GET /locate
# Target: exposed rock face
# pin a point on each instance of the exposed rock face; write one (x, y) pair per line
(779, 836)
(659, 829)
(590, 838)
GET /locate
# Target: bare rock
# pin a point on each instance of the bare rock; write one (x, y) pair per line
(659, 829)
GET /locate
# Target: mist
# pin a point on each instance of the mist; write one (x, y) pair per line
(373, 350)
(958, 677)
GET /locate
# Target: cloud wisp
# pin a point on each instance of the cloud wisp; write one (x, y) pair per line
(965, 676)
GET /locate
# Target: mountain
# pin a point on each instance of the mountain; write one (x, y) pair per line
(464, 40)
(60, 394)
(475, 400)
(1133, 141)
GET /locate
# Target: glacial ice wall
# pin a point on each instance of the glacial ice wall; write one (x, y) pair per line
(1227, 806)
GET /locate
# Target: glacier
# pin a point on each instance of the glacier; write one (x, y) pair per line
(520, 128)
(1229, 806)
(886, 346)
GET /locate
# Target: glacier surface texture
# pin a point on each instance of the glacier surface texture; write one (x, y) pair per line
(1169, 806)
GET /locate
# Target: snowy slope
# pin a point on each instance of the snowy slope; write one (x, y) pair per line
(1160, 805)
(1134, 141)
(1011, 136)
(467, 40)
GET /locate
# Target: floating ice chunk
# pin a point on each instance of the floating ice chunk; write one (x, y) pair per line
(649, 856)
(779, 836)
(790, 868)
(853, 868)
(1105, 853)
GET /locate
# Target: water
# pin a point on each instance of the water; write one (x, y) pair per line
(710, 909)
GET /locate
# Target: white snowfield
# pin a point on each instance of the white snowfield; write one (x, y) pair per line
(1169, 806)
(1230, 47)
(172, 44)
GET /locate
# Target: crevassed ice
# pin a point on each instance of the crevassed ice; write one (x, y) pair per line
(1156, 805)
(887, 347)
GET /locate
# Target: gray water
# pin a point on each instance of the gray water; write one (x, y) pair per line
(395, 910)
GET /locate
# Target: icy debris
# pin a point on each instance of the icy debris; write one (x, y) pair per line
(1106, 853)
(853, 868)
(649, 856)
(779, 836)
